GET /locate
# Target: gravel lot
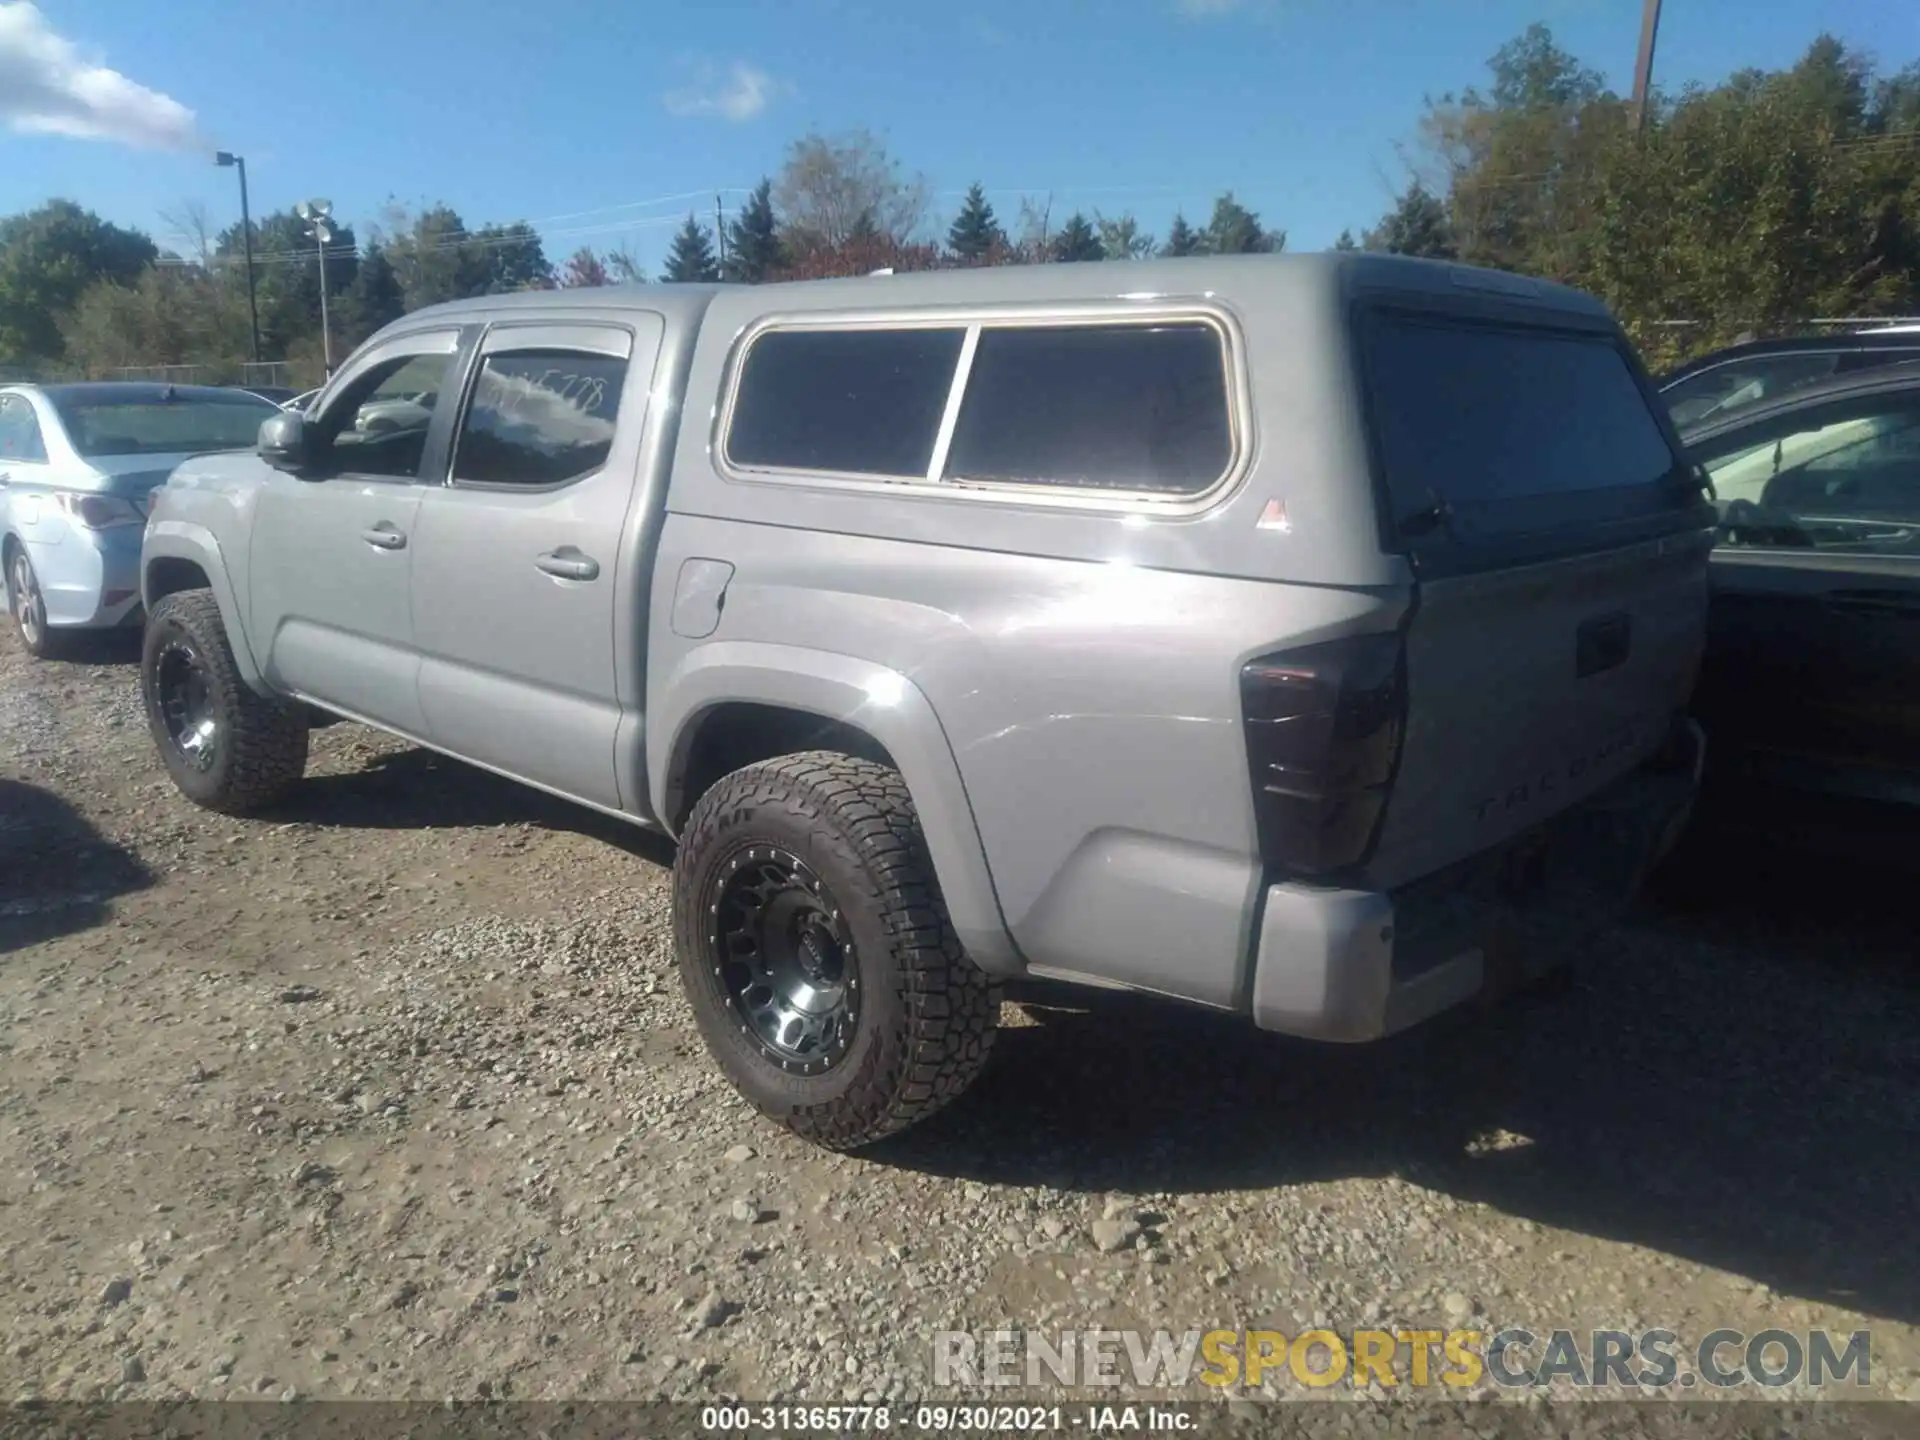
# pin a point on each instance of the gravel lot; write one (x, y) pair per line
(393, 1094)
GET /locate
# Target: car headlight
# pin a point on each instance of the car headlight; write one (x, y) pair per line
(100, 512)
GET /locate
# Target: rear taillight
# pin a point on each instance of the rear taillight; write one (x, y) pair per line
(99, 512)
(1323, 725)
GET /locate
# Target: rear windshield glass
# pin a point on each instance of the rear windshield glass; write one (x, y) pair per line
(100, 428)
(1510, 431)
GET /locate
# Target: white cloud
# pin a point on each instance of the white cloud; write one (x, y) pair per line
(47, 86)
(738, 93)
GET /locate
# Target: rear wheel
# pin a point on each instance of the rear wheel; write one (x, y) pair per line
(226, 747)
(29, 607)
(817, 954)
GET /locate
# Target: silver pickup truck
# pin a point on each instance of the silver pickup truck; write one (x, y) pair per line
(1283, 635)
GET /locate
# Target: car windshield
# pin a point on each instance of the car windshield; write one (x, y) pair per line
(113, 425)
(1717, 392)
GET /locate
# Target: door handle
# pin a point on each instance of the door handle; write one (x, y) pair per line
(568, 564)
(384, 537)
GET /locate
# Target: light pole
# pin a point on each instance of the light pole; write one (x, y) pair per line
(1643, 67)
(239, 162)
(316, 213)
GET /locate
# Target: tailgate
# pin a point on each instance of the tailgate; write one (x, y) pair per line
(1560, 545)
(1530, 689)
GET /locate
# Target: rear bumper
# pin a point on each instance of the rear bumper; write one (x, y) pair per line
(1335, 964)
(90, 579)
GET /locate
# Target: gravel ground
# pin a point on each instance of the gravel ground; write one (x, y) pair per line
(392, 1094)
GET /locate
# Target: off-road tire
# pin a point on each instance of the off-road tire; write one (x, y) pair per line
(927, 1015)
(262, 747)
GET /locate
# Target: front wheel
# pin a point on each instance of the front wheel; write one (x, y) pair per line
(226, 747)
(817, 954)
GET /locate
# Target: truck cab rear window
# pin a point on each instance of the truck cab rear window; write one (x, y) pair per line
(1507, 430)
(849, 402)
(1112, 407)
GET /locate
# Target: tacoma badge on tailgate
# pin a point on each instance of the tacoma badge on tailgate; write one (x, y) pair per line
(1539, 788)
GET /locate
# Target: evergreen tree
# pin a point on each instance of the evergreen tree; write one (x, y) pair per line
(1121, 238)
(1077, 240)
(754, 250)
(1346, 241)
(1417, 225)
(976, 232)
(288, 292)
(1235, 230)
(1182, 239)
(500, 259)
(375, 299)
(690, 258)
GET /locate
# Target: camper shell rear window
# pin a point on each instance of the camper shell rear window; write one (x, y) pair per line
(1488, 432)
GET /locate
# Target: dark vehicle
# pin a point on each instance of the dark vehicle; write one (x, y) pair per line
(1714, 386)
(1812, 673)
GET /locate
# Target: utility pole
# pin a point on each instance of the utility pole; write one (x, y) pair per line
(1643, 68)
(720, 233)
(227, 158)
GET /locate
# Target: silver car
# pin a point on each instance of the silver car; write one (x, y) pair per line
(77, 463)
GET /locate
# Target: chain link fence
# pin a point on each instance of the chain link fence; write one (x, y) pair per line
(264, 372)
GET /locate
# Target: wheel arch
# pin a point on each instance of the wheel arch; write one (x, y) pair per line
(178, 556)
(10, 542)
(734, 703)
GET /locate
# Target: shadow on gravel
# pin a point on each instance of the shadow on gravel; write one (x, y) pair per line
(420, 789)
(1735, 1080)
(57, 874)
(119, 646)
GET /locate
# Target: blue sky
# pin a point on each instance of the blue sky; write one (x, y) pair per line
(600, 121)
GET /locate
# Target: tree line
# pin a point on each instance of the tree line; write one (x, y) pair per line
(1748, 206)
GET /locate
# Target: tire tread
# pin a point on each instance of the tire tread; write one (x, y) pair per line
(951, 1005)
(267, 738)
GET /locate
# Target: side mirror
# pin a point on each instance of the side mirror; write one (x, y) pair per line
(285, 444)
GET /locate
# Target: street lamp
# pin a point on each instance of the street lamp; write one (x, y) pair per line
(1643, 65)
(316, 213)
(239, 162)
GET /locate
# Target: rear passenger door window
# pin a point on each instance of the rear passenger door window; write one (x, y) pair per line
(1137, 408)
(539, 417)
(859, 402)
